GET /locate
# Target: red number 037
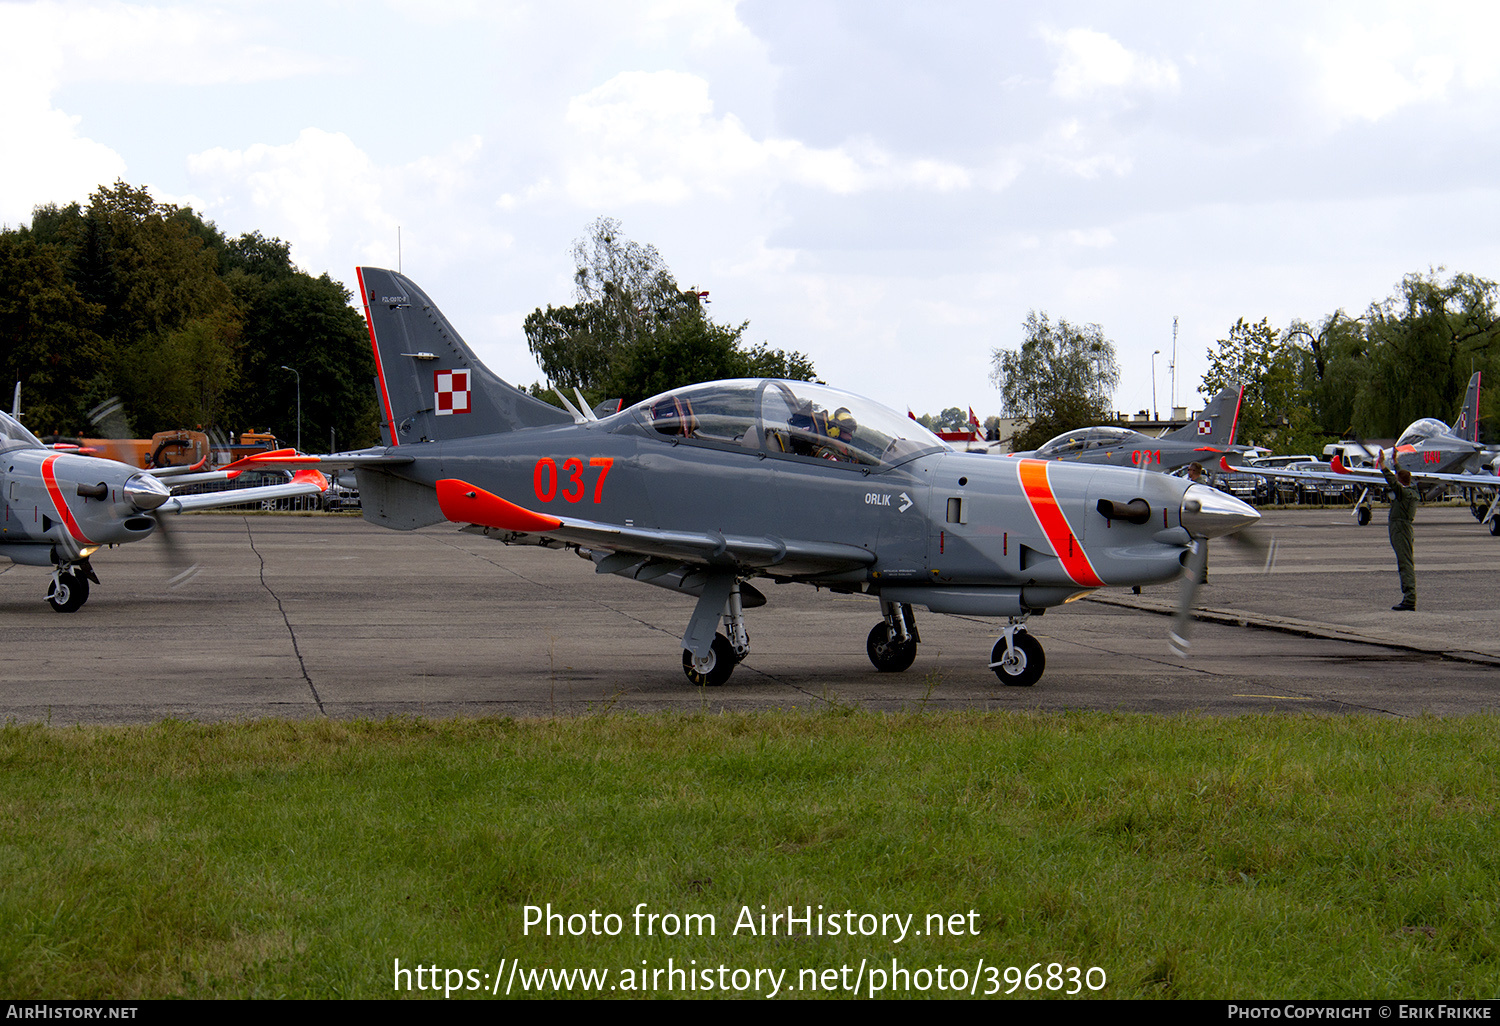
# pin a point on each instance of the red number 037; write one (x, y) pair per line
(548, 480)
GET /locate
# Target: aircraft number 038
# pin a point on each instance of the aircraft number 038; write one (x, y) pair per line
(548, 480)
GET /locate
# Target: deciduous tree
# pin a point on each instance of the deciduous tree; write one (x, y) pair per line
(1062, 377)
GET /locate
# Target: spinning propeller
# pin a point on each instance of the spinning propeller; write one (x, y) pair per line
(1209, 513)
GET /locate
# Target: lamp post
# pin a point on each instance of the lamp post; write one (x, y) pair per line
(299, 398)
(1154, 414)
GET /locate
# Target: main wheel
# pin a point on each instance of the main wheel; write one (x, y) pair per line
(888, 654)
(70, 592)
(713, 670)
(1362, 516)
(1027, 666)
(1495, 526)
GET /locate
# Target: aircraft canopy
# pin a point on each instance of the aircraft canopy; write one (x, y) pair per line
(1420, 430)
(1074, 442)
(14, 436)
(793, 418)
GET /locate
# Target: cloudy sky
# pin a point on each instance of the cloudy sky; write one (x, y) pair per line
(889, 187)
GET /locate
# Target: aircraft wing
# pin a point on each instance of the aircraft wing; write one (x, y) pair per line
(1343, 475)
(291, 459)
(464, 503)
(304, 482)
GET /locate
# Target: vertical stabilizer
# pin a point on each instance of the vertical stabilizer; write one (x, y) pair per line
(1217, 425)
(431, 385)
(1466, 425)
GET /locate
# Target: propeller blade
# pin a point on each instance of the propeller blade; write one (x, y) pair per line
(1192, 580)
(177, 558)
(1257, 543)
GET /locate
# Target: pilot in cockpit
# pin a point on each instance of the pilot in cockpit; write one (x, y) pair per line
(823, 435)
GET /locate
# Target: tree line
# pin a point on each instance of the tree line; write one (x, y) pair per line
(145, 302)
(633, 332)
(1405, 357)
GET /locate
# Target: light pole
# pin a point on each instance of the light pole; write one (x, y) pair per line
(299, 397)
(1154, 414)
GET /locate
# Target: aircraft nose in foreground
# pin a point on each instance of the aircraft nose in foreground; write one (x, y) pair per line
(1210, 513)
(146, 493)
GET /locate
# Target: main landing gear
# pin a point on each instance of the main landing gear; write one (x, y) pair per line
(713, 669)
(69, 589)
(1362, 508)
(892, 645)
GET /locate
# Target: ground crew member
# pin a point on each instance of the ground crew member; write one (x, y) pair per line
(1403, 514)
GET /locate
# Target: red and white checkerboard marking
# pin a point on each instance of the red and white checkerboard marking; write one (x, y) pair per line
(1205, 427)
(451, 392)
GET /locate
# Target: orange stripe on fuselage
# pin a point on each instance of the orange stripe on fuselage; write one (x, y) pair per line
(1054, 522)
(57, 500)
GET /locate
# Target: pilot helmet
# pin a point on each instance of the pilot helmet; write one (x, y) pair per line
(842, 425)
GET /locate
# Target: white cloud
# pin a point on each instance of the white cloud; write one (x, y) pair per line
(122, 42)
(327, 194)
(1092, 238)
(47, 160)
(1092, 63)
(1371, 71)
(53, 45)
(652, 137)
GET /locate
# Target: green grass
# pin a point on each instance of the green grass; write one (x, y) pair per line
(1186, 857)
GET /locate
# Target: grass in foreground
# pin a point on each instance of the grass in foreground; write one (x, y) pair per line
(1257, 857)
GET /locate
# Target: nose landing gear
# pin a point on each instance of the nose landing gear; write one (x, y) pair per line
(1017, 658)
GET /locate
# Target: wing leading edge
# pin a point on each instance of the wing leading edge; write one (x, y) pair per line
(1340, 474)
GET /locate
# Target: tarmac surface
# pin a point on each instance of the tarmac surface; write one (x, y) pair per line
(324, 615)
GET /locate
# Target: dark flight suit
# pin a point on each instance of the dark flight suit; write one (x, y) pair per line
(1403, 514)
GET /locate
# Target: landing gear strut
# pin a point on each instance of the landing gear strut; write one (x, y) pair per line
(69, 589)
(892, 645)
(1362, 508)
(724, 653)
(1017, 658)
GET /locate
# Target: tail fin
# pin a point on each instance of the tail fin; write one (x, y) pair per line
(1466, 426)
(432, 386)
(1217, 424)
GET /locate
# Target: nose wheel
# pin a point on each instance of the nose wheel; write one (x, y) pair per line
(69, 591)
(1018, 659)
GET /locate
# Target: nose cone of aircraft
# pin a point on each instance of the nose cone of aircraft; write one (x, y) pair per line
(1210, 513)
(145, 492)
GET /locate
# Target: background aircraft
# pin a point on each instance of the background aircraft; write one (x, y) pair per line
(1435, 455)
(705, 488)
(62, 507)
(1210, 435)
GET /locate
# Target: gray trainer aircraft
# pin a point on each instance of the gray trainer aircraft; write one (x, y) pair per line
(62, 507)
(707, 487)
(1435, 454)
(1209, 436)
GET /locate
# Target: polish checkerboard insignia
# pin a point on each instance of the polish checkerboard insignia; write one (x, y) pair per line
(451, 392)
(1205, 427)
